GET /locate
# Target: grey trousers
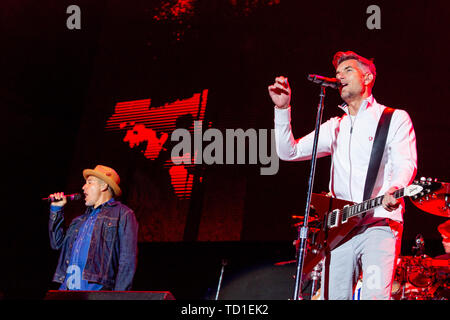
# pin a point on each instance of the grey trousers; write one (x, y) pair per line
(373, 252)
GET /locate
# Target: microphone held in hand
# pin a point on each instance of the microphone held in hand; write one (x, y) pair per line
(324, 81)
(71, 197)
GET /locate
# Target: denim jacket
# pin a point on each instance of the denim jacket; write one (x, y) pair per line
(112, 256)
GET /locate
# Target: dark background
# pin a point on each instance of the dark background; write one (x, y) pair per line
(59, 86)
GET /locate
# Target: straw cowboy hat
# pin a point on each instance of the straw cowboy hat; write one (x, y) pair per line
(108, 175)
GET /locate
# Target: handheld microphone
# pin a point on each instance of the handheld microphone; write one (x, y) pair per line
(69, 197)
(324, 81)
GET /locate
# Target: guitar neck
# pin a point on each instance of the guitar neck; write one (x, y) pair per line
(360, 208)
(416, 190)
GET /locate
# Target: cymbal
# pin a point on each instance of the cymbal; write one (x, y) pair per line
(437, 203)
(424, 261)
(437, 263)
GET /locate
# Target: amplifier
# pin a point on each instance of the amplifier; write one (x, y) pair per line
(108, 295)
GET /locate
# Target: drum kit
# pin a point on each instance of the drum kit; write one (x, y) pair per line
(419, 277)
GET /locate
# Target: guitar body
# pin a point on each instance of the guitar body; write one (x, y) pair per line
(335, 235)
(326, 239)
(336, 218)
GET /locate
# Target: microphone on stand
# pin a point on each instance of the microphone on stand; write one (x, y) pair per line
(324, 81)
(420, 245)
(69, 197)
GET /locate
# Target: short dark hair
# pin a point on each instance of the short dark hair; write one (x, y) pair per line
(364, 63)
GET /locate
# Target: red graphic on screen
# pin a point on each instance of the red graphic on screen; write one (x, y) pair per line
(139, 133)
(152, 126)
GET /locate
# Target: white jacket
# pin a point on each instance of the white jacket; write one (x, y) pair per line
(349, 142)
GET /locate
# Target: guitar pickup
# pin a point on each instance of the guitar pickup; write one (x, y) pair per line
(333, 219)
(345, 214)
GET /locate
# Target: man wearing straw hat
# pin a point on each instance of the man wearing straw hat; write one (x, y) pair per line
(99, 248)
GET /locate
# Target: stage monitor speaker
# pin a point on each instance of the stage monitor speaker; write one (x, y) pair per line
(108, 295)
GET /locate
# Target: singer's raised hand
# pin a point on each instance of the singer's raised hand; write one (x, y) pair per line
(280, 92)
(60, 199)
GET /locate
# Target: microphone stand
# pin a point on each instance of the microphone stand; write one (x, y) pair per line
(224, 263)
(303, 228)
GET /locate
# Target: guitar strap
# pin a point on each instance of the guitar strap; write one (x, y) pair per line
(377, 151)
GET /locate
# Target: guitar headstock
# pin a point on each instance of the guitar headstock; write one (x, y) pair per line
(422, 188)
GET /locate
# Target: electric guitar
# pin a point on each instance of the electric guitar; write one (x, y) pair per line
(333, 225)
